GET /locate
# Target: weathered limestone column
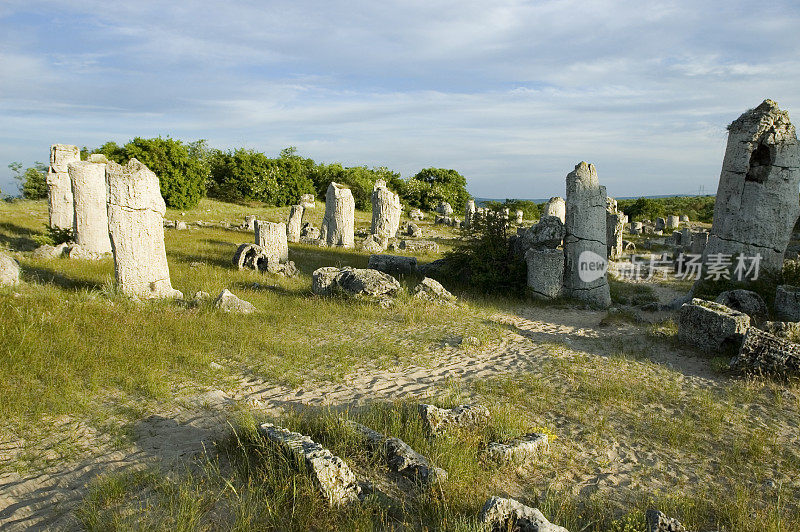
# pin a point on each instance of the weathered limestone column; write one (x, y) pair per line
(469, 214)
(545, 272)
(585, 250)
(339, 220)
(673, 221)
(295, 223)
(556, 207)
(59, 187)
(271, 236)
(386, 210)
(756, 206)
(615, 225)
(519, 216)
(136, 224)
(91, 206)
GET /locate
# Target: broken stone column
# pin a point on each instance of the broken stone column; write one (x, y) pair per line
(295, 224)
(615, 225)
(339, 220)
(556, 207)
(499, 514)
(545, 272)
(699, 242)
(60, 201)
(91, 206)
(271, 237)
(585, 276)
(756, 205)
(766, 353)
(386, 210)
(136, 226)
(469, 214)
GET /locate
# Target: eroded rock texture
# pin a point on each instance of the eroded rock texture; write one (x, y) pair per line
(295, 224)
(756, 205)
(271, 236)
(60, 201)
(545, 272)
(136, 225)
(711, 326)
(585, 240)
(500, 514)
(469, 214)
(91, 206)
(386, 210)
(766, 353)
(338, 222)
(556, 207)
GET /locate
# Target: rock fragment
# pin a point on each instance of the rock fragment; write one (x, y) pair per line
(787, 302)
(556, 207)
(711, 326)
(431, 290)
(659, 522)
(500, 515)
(745, 301)
(437, 420)
(766, 353)
(518, 450)
(393, 264)
(9, 270)
(272, 239)
(228, 302)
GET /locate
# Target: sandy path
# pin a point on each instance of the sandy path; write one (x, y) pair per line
(45, 500)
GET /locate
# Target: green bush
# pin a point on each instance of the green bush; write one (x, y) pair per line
(359, 179)
(697, 208)
(530, 209)
(432, 185)
(33, 179)
(182, 178)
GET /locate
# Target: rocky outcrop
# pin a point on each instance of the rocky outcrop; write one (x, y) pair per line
(518, 450)
(765, 353)
(412, 246)
(710, 326)
(136, 225)
(548, 233)
(756, 204)
(500, 515)
(330, 473)
(339, 220)
(431, 290)
(354, 281)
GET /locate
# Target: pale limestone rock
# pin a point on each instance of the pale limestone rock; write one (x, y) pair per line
(431, 290)
(673, 221)
(500, 515)
(375, 243)
(91, 206)
(9, 270)
(469, 214)
(59, 187)
(545, 272)
(756, 205)
(331, 474)
(412, 246)
(307, 201)
(271, 236)
(251, 257)
(711, 326)
(659, 522)
(416, 214)
(437, 420)
(136, 224)
(444, 208)
(228, 302)
(519, 216)
(386, 211)
(323, 280)
(295, 224)
(585, 240)
(180, 225)
(48, 252)
(339, 220)
(250, 222)
(518, 450)
(556, 207)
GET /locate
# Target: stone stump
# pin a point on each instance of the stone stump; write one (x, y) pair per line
(469, 214)
(60, 202)
(91, 206)
(339, 220)
(386, 210)
(271, 237)
(556, 207)
(545, 272)
(756, 205)
(136, 226)
(585, 250)
(295, 224)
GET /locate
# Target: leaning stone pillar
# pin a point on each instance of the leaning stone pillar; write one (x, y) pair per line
(272, 238)
(295, 223)
(585, 250)
(756, 205)
(60, 201)
(339, 220)
(386, 211)
(91, 206)
(136, 225)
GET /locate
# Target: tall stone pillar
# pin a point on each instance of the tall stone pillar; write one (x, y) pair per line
(585, 262)
(756, 205)
(556, 207)
(136, 224)
(615, 225)
(339, 220)
(91, 206)
(469, 214)
(272, 238)
(60, 201)
(295, 223)
(386, 210)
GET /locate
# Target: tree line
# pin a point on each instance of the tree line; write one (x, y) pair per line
(188, 171)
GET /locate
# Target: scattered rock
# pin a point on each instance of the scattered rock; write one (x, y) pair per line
(228, 302)
(470, 341)
(745, 301)
(323, 280)
(431, 290)
(271, 237)
(180, 225)
(9, 270)
(444, 208)
(418, 245)
(659, 522)
(436, 420)
(709, 326)
(76, 251)
(215, 366)
(414, 231)
(782, 329)
(251, 257)
(500, 515)
(309, 232)
(331, 474)
(765, 353)
(417, 215)
(356, 281)
(556, 207)
(47, 252)
(548, 233)
(374, 243)
(519, 450)
(393, 264)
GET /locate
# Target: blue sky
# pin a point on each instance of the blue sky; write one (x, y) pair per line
(512, 94)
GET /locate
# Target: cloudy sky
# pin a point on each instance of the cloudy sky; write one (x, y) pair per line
(512, 94)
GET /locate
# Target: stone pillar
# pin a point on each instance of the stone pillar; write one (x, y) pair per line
(615, 224)
(307, 201)
(136, 225)
(91, 206)
(637, 228)
(556, 207)
(518, 217)
(339, 220)
(60, 201)
(673, 221)
(585, 250)
(386, 210)
(545, 272)
(469, 214)
(271, 236)
(295, 223)
(756, 205)
(699, 242)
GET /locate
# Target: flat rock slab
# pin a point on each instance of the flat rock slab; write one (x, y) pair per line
(331, 474)
(708, 325)
(518, 450)
(399, 456)
(764, 352)
(437, 420)
(500, 515)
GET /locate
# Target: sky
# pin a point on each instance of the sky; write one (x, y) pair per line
(512, 94)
